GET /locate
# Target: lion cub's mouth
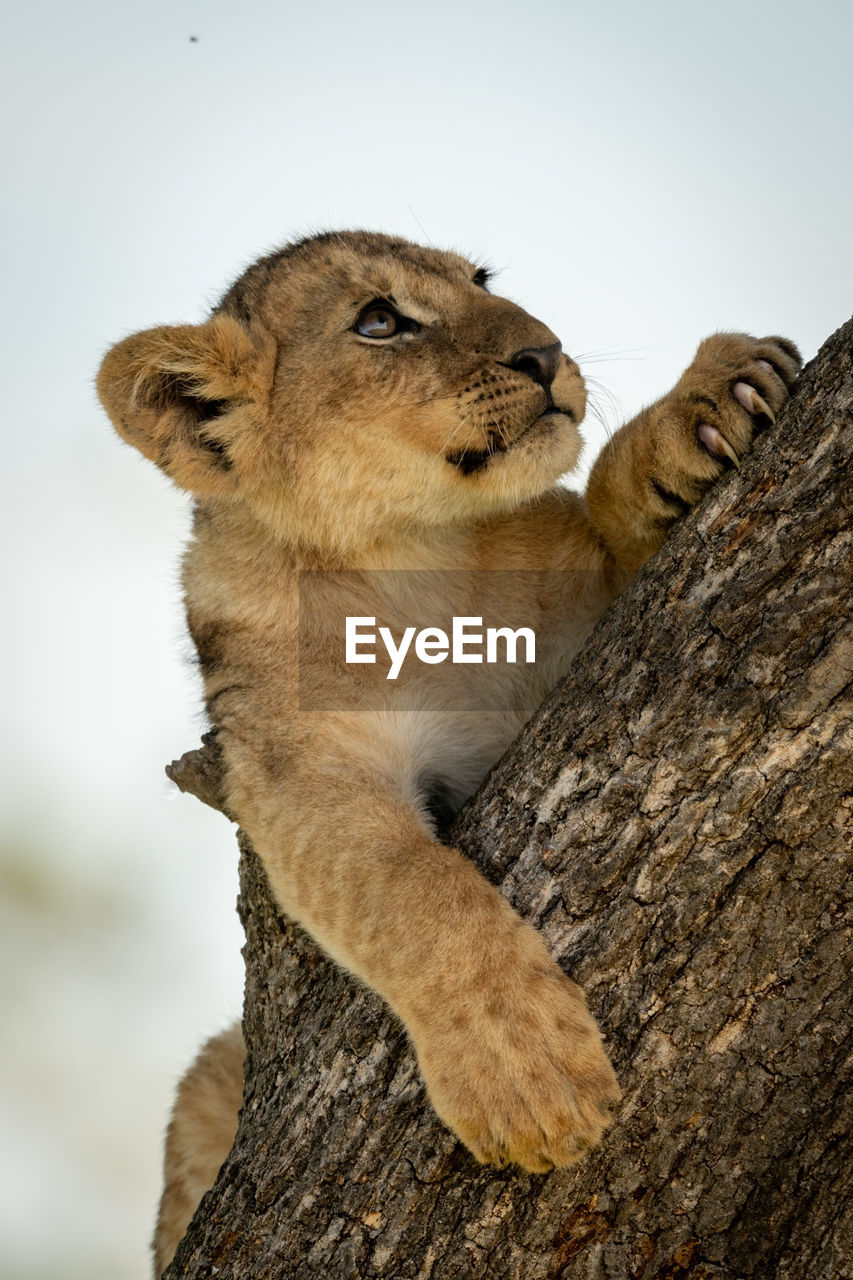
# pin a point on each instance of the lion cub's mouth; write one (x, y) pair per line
(468, 461)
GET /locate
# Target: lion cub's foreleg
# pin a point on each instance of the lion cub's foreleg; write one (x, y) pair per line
(660, 464)
(511, 1057)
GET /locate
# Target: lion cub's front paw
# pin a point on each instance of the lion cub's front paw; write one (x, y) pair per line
(735, 386)
(520, 1074)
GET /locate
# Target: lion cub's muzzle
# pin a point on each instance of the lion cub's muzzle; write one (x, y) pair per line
(505, 402)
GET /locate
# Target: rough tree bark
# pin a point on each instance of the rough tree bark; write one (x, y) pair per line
(677, 821)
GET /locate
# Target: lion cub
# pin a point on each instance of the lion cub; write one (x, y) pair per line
(370, 434)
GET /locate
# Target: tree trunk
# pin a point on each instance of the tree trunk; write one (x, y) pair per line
(676, 819)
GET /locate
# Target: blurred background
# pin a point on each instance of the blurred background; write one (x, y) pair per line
(640, 174)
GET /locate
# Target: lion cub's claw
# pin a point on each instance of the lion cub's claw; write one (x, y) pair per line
(749, 398)
(755, 404)
(716, 443)
(735, 386)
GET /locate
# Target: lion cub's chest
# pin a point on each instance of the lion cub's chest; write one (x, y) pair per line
(428, 673)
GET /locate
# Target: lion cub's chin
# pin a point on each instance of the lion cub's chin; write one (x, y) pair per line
(549, 448)
(391, 494)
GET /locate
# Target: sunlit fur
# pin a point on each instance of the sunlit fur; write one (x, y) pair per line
(311, 447)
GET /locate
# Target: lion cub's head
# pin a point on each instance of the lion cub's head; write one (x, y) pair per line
(350, 386)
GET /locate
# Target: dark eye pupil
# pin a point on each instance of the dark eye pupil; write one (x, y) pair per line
(378, 322)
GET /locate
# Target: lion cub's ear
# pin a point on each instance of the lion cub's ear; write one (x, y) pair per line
(187, 396)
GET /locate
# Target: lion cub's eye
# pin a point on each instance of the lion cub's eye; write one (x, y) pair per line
(380, 320)
(377, 322)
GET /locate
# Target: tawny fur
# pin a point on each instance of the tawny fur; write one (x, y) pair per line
(313, 447)
(202, 1129)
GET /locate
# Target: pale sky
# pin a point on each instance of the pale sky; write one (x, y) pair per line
(643, 174)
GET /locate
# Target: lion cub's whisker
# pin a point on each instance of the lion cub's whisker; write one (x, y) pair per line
(443, 448)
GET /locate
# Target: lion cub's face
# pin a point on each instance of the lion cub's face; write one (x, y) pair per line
(349, 387)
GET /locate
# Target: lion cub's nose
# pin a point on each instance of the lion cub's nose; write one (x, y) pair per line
(539, 363)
